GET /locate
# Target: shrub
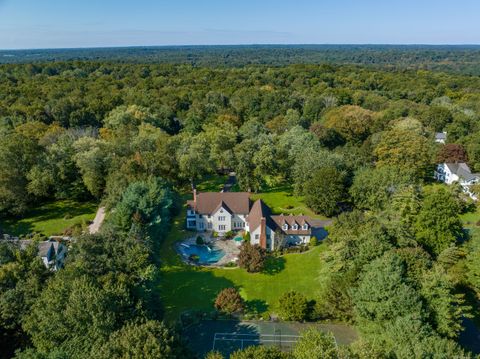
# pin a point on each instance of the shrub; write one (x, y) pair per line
(259, 352)
(293, 306)
(200, 240)
(313, 241)
(229, 301)
(252, 258)
(214, 355)
(215, 234)
(314, 344)
(246, 237)
(229, 235)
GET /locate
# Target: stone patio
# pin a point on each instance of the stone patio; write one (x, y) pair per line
(230, 247)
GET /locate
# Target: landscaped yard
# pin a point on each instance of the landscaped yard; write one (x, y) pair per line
(51, 218)
(185, 287)
(282, 200)
(470, 219)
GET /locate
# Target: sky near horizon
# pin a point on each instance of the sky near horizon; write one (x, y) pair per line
(97, 23)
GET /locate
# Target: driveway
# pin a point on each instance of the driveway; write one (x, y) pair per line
(97, 221)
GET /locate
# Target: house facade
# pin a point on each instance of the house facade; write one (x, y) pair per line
(234, 211)
(460, 173)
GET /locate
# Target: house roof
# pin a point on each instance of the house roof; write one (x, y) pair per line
(259, 210)
(461, 170)
(291, 220)
(210, 202)
(441, 136)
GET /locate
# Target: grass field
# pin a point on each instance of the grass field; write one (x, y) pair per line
(185, 287)
(282, 200)
(470, 219)
(50, 219)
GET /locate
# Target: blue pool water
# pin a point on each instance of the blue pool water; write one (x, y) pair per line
(205, 254)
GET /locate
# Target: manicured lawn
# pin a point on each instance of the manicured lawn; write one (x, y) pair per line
(185, 287)
(470, 219)
(282, 200)
(51, 218)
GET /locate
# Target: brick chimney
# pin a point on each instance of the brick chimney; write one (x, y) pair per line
(263, 233)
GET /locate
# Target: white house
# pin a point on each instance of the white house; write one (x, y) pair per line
(234, 211)
(441, 137)
(460, 173)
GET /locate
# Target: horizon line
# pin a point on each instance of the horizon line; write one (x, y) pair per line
(240, 45)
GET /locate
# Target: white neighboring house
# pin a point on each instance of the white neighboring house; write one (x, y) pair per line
(460, 173)
(441, 137)
(234, 211)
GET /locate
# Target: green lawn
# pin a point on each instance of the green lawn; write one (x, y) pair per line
(51, 218)
(185, 287)
(282, 200)
(470, 219)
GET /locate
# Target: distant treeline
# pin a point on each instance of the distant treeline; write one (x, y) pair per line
(463, 59)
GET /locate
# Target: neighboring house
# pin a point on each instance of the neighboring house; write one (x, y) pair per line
(460, 173)
(441, 137)
(51, 252)
(234, 211)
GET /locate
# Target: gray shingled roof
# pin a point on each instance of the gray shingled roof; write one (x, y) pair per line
(461, 170)
(440, 136)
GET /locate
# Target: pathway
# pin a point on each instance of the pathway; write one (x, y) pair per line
(98, 220)
(230, 182)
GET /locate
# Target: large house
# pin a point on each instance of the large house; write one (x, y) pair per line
(234, 211)
(460, 173)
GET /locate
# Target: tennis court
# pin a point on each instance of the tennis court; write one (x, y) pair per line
(227, 336)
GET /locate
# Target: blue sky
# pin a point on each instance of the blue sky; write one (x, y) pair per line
(86, 23)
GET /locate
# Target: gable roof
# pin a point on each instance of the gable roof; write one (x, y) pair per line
(291, 220)
(223, 205)
(440, 135)
(259, 210)
(461, 170)
(210, 202)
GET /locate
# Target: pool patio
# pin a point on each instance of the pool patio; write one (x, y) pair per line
(230, 247)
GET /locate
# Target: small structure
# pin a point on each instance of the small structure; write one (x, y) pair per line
(441, 137)
(52, 252)
(234, 211)
(460, 173)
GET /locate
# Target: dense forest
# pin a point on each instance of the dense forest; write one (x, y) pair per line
(357, 142)
(458, 59)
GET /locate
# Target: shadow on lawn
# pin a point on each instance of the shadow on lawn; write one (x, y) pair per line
(274, 265)
(256, 306)
(190, 289)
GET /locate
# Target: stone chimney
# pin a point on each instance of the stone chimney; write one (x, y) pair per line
(263, 233)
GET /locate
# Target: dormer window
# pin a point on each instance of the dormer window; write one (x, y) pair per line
(295, 227)
(285, 226)
(305, 226)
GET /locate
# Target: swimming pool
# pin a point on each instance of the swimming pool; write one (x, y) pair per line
(206, 254)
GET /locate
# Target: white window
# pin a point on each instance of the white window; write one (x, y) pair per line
(305, 226)
(285, 226)
(209, 225)
(221, 227)
(295, 227)
(257, 236)
(221, 218)
(200, 225)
